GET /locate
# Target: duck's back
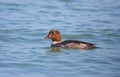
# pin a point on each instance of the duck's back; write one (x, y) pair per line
(75, 44)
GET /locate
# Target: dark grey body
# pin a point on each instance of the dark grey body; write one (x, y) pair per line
(74, 44)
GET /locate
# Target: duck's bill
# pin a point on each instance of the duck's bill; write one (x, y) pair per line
(47, 38)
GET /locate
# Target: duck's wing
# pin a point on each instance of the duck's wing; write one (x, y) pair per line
(77, 44)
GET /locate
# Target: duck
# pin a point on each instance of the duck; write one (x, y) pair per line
(56, 38)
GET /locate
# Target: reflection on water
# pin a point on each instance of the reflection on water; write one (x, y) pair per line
(56, 49)
(25, 53)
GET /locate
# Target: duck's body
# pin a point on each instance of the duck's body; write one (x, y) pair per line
(55, 36)
(75, 44)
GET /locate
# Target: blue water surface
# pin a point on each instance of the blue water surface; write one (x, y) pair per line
(25, 53)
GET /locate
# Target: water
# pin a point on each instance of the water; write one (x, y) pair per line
(25, 53)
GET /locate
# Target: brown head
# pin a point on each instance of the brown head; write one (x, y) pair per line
(54, 35)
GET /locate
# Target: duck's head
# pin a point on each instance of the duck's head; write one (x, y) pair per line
(54, 35)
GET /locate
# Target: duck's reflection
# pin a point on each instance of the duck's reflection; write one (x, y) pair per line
(55, 49)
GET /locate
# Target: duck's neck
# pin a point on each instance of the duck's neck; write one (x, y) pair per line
(56, 42)
(57, 39)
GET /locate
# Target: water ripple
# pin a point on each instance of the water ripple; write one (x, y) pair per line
(25, 53)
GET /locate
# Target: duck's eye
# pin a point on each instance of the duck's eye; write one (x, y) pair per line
(54, 33)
